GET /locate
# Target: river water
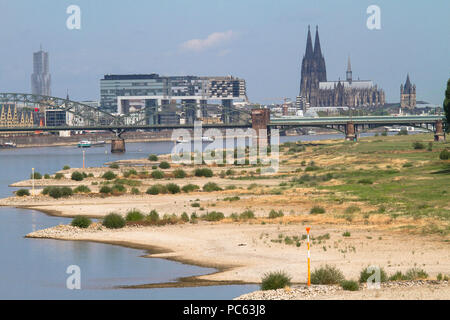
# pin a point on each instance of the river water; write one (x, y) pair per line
(36, 269)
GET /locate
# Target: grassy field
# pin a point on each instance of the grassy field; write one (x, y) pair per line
(386, 174)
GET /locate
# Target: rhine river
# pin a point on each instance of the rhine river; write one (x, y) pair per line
(36, 268)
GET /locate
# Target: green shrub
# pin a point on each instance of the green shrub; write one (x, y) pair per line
(365, 274)
(153, 157)
(153, 216)
(403, 132)
(114, 221)
(59, 176)
(82, 189)
(46, 190)
(157, 189)
(190, 187)
(77, 176)
(109, 175)
(66, 192)
(164, 165)
(365, 181)
(195, 205)
(185, 217)
(398, 276)
(352, 209)
(275, 280)
(430, 146)
(444, 155)
(47, 176)
(346, 234)
(204, 172)
(350, 285)
(119, 188)
(81, 222)
(194, 217)
(130, 172)
(275, 214)
(66, 167)
(317, 210)
(231, 199)
(213, 216)
(114, 166)
(415, 274)
(327, 275)
(134, 215)
(179, 174)
(157, 174)
(173, 188)
(418, 145)
(312, 168)
(211, 186)
(105, 190)
(22, 192)
(55, 192)
(407, 165)
(247, 214)
(135, 191)
(37, 176)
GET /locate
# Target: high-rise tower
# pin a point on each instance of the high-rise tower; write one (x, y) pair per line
(41, 79)
(349, 73)
(313, 70)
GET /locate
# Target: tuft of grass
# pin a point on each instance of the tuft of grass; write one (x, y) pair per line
(247, 214)
(365, 181)
(203, 172)
(366, 273)
(317, 210)
(59, 176)
(185, 217)
(22, 192)
(179, 174)
(211, 186)
(213, 216)
(135, 191)
(352, 209)
(327, 275)
(415, 274)
(275, 214)
(157, 189)
(105, 190)
(346, 234)
(190, 188)
(173, 188)
(349, 285)
(82, 189)
(81, 222)
(114, 221)
(134, 215)
(109, 175)
(153, 216)
(418, 145)
(157, 174)
(114, 166)
(275, 280)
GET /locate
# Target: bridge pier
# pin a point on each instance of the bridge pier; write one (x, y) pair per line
(439, 132)
(350, 134)
(117, 145)
(260, 120)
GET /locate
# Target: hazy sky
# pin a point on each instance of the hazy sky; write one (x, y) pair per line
(261, 41)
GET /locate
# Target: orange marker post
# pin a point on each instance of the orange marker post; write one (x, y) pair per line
(309, 258)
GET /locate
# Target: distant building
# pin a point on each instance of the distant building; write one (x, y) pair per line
(408, 94)
(316, 91)
(41, 79)
(10, 116)
(161, 88)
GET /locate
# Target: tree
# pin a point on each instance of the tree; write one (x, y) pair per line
(447, 105)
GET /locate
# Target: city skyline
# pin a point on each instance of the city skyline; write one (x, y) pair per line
(213, 45)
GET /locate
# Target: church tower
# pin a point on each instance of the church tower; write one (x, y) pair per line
(408, 94)
(313, 70)
(349, 74)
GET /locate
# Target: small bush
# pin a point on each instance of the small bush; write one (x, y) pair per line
(275, 280)
(77, 176)
(59, 176)
(47, 176)
(213, 216)
(407, 165)
(81, 222)
(327, 275)
(194, 217)
(109, 175)
(157, 189)
(195, 205)
(312, 168)
(66, 191)
(444, 155)
(114, 221)
(153, 216)
(185, 217)
(66, 167)
(134, 215)
(118, 189)
(190, 187)
(317, 210)
(398, 276)
(114, 166)
(164, 165)
(22, 192)
(346, 234)
(179, 174)
(37, 176)
(275, 214)
(173, 188)
(403, 132)
(365, 181)
(365, 274)
(211, 186)
(135, 191)
(204, 172)
(352, 209)
(82, 189)
(247, 214)
(153, 157)
(350, 285)
(157, 174)
(105, 190)
(130, 172)
(418, 145)
(416, 274)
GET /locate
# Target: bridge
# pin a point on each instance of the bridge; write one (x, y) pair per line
(85, 117)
